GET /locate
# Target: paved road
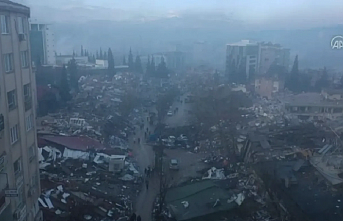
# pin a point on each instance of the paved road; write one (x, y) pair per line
(144, 155)
(181, 117)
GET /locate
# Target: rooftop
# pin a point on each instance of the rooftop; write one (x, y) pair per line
(243, 43)
(311, 99)
(75, 143)
(198, 199)
(6, 5)
(310, 193)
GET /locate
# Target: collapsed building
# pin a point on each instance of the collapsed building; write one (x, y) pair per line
(301, 166)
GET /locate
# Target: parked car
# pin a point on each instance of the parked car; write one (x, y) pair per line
(170, 113)
(183, 137)
(174, 164)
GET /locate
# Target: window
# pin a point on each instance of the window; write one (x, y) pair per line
(8, 60)
(34, 180)
(29, 122)
(11, 100)
(27, 97)
(4, 24)
(32, 152)
(17, 166)
(21, 197)
(21, 25)
(24, 55)
(27, 91)
(14, 134)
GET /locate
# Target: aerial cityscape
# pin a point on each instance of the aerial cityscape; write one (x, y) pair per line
(170, 111)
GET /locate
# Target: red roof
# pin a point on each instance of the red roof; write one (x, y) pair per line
(75, 143)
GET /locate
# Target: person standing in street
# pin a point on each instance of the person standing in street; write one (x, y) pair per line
(139, 218)
(133, 217)
(147, 184)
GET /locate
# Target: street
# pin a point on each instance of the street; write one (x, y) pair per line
(181, 117)
(144, 155)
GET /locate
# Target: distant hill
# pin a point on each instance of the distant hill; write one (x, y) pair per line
(312, 45)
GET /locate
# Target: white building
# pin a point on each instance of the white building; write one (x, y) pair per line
(42, 42)
(242, 61)
(101, 63)
(64, 59)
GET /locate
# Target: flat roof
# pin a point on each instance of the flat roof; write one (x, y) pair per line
(201, 198)
(6, 5)
(75, 143)
(311, 99)
(243, 43)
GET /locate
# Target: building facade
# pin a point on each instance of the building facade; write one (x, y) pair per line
(42, 43)
(19, 172)
(64, 59)
(176, 60)
(268, 86)
(273, 54)
(242, 61)
(316, 105)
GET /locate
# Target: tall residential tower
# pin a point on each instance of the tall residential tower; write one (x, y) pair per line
(19, 172)
(42, 43)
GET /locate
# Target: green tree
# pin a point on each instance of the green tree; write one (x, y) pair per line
(148, 67)
(111, 67)
(162, 70)
(152, 66)
(72, 72)
(82, 51)
(138, 65)
(293, 81)
(131, 63)
(105, 56)
(101, 56)
(323, 81)
(64, 89)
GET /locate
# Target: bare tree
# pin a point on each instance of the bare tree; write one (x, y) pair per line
(164, 101)
(220, 107)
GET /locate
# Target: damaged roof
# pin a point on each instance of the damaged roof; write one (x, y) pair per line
(75, 143)
(197, 200)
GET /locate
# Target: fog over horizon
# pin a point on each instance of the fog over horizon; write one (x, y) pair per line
(151, 26)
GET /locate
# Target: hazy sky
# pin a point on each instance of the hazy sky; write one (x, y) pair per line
(312, 12)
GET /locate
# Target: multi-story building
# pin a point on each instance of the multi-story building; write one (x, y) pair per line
(19, 172)
(321, 106)
(42, 43)
(273, 54)
(242, 61)
(268, 86)
(176, 60)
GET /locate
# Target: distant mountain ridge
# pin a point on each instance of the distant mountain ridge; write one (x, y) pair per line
(155, 35)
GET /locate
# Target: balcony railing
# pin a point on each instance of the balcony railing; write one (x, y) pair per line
(28, 103)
